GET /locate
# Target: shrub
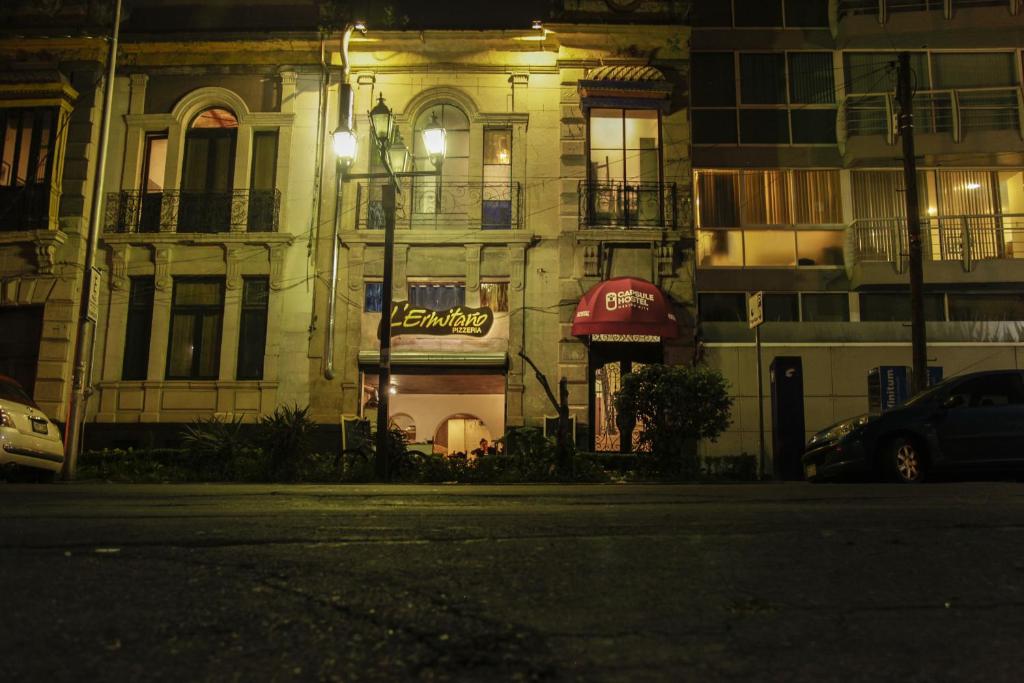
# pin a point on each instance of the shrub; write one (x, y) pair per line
(675, 407)
(286, 436)
(214, 448)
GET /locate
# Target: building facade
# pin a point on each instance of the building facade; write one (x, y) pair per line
(617, 181)
(800, 194)
(240, 271)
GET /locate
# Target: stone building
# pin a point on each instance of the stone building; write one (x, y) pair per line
(227, 232)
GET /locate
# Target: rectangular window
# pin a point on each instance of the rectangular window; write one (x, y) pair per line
(624, 146)
(252, 329)
(825, 308)
(764, 127)
(437, 297)
(895, 307)
(985, 306)
(140, 322)
(373, 297)
(714, 79)
(154, 168)
(197, 311)
(784, 98)
(711, 14)
(758, 12)
(974, 69)
(730, 307)
(494, 295)
(496, 207)
(26, 147)
(780, 307)
(262, 195)
(875, 72)
(763, 78)
(807, 13)
(811, 78)
(727, 199)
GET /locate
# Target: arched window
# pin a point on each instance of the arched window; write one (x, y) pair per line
(207, 176)
(430, 194)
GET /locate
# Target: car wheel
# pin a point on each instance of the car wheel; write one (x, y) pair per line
(904, 462)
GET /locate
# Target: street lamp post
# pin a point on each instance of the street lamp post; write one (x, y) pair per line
(394, 156)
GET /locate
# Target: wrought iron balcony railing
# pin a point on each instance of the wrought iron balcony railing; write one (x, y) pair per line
(193, 212)
(616, 204)
(966, 239)
(436, 204)
(24, 207)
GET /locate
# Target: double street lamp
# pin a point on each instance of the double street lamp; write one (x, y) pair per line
(394, 156)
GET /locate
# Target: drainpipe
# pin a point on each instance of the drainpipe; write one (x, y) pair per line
(81, 380)
(312, 251)
(346, 102)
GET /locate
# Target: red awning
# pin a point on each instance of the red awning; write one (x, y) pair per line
(625, 306)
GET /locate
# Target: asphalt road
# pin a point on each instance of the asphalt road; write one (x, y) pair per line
(784, 582)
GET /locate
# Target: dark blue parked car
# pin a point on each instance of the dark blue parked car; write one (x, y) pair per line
(973, 421)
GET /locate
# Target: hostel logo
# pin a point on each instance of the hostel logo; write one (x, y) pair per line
(470, 322)
(629, 298)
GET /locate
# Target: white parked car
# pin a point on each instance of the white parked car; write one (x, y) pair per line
(28, 438)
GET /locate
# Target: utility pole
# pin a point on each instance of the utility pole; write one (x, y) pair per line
(919, 343)
(89, 303)
(382, 463)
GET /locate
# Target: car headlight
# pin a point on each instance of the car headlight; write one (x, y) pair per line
(838, 431)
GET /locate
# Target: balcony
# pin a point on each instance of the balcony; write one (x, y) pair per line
(135, 211)
(957, 113)
(883, 8)
(615, 204)
(966, 240)
(24, 207)
(426, 203)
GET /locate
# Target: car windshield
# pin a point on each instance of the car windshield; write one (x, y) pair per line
(10, 391)
(929, 393)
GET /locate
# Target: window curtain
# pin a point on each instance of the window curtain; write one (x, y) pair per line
(718, 199)
(764, 198)
(437, 297)
(811, 78)
(817, 198)
(965, 193)
(879, 194)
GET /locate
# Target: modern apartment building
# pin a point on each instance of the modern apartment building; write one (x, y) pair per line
(799, 191)
(239, 272)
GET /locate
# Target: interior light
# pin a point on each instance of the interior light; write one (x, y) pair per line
(537, 24)
(972, 186)
(932, 211)
(392, 390)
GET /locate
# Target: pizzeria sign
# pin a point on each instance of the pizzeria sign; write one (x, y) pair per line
(459, 320)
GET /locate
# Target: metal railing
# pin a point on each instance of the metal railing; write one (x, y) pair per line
(882, 8)
(617, 204)
(24, 207)
(953, 111)
(136, 211)
(427, 203)
(967, 239)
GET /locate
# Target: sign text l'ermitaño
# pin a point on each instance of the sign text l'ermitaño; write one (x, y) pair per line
(471, 322)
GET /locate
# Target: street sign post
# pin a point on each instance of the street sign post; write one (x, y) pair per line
(755, 318)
